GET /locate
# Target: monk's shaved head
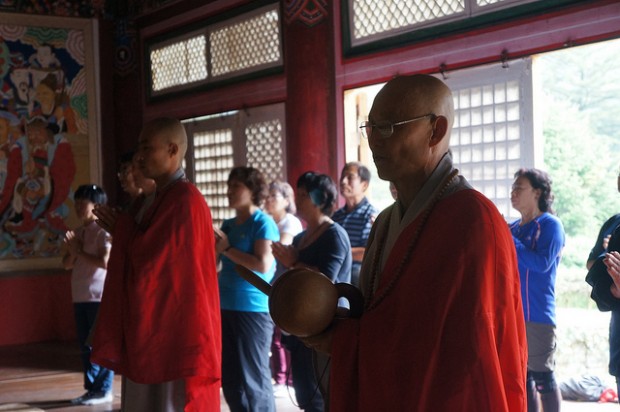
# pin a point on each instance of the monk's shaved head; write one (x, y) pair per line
(171, 130)
(410, 96)
(161, 148)
(419, 93)
(420, 110)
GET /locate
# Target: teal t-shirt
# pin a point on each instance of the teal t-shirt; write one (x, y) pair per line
(235, 292)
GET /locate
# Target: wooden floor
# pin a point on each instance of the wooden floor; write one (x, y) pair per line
(46, 376)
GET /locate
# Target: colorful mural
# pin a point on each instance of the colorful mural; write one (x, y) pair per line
(43, 124)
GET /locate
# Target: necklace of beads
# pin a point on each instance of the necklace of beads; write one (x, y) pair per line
(372, 301)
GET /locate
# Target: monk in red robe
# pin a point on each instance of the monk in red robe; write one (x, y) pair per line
(442, 328)
(159, 319)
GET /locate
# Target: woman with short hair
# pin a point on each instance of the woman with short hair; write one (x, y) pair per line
(324, 246)
(246, 325)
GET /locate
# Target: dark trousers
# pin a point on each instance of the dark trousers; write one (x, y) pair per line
(305, 382)
(246, 375)
(96, 378)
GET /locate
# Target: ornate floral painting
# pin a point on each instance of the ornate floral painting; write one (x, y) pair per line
(48, 133)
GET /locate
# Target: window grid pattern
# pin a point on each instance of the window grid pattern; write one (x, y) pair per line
(179, 63)
(249, 43)
(244, 44)
(486, 144)
(377, 16)
(213, 159)
(264, 148)
(372, 20)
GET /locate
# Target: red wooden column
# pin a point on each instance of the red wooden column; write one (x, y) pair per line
(310, 85)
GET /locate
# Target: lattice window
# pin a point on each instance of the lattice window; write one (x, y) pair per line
(250, 43)
(179, 63)
(371, 20)
(213, 159)
(240, 45)
(252, 137)
(264, 148)
(492, 135)
(378, 16)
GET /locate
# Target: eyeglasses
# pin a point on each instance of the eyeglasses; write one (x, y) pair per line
(124, 171)
(386, 129)
(275, 195)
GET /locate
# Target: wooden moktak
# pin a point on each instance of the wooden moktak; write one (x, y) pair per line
(304, 302)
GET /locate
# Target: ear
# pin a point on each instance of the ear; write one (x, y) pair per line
(440, 129)
(364, 186)
(173, 148)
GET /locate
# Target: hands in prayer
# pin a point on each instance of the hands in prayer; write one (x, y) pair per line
(606, 242)
(221, 240)
(285, 254)
(612, 261)
(74, 245)
(106, 217)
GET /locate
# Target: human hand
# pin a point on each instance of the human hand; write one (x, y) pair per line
(74, 244)
(321, 342)
(285, 254)
(221, 240)
(106, 217)
(612, 262)
(606, 242)
(615, 292)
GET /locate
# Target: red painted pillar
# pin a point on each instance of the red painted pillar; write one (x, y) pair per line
(310, 84)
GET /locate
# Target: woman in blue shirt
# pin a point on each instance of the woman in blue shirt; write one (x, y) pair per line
(539, 239)
(246, 325)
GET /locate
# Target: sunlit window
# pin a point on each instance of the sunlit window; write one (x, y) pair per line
(371, 20)
(250, 43)
(492, 136)
(179, 63)
(252, 137)
(264, 147)
(244, 44)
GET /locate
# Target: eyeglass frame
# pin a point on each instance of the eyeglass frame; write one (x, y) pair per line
(364, 126)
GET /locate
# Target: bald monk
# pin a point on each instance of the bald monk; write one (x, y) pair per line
(442, 328)
(159, 323)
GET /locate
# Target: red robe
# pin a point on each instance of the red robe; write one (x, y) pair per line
(159, 318)
(450, 334)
